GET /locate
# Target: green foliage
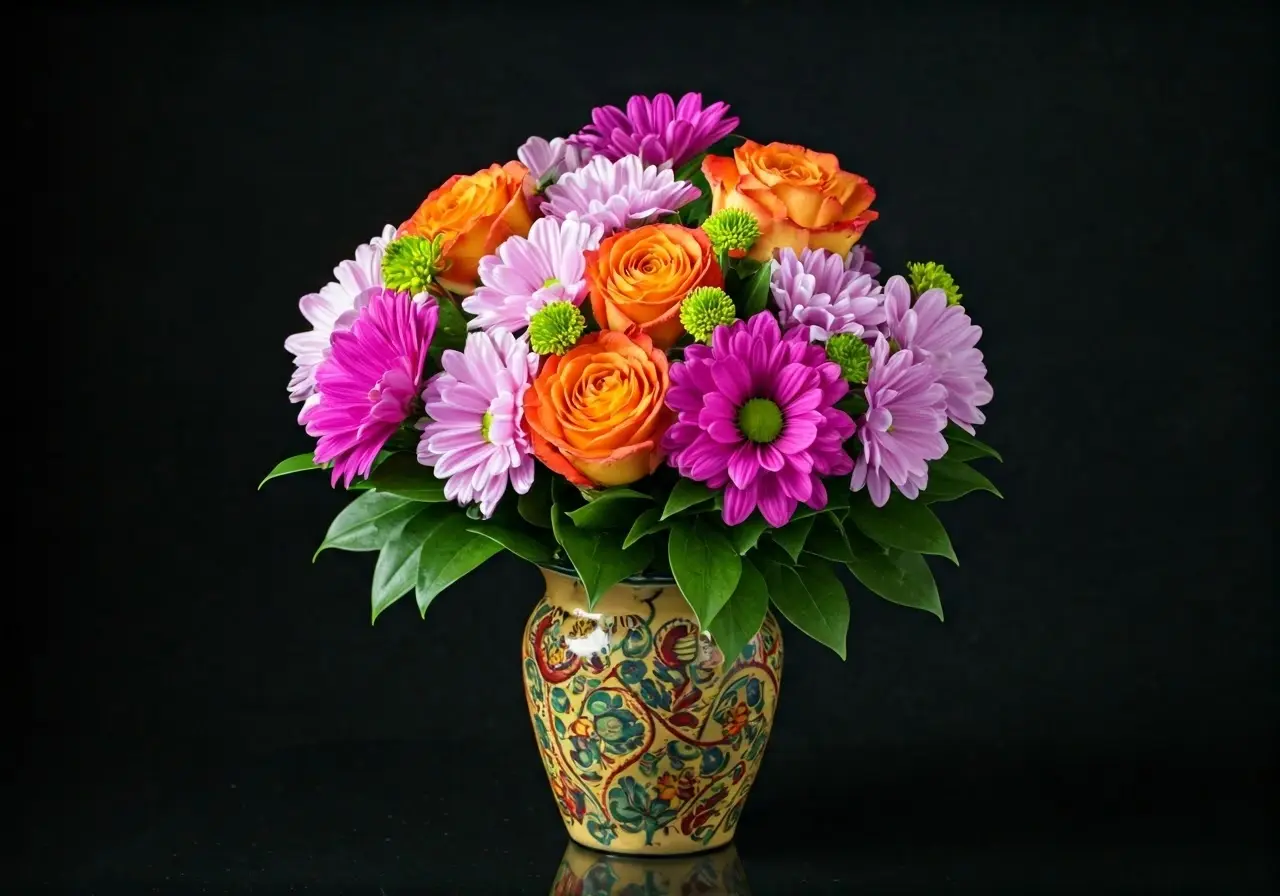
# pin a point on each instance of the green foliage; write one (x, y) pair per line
(902, 524)
(608, 509)
(742, 615)
(957, 436)
(532, 546)
(449, 551)
(813, 600)
(685, 494)
(791, 537)
(756, 292)
(899, 576)
(646, 524)
(950, 479)
(535, 505)
(705, 565)
(746, 534)
(397, 569)
(401, 475)
(368, 522)
(451, 327)
(598, 555)
(295, 464)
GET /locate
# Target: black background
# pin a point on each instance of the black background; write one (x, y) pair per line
(207, 708)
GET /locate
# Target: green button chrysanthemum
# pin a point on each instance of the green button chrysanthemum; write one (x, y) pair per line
(555, 328)
(410, 263)
(852, 354)
(731, 230)
(704, 309)
(931, 275)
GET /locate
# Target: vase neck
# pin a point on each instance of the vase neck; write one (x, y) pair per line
(623, 599)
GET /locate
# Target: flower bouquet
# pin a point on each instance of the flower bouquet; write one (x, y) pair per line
(652, 355)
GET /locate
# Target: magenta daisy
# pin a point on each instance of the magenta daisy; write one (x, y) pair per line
(946, 336)
(902, 428)
(658, 130)
(549, 159)
(474, 437)
(823, 295)
(617, 194)
(756, 414)
(333, 308)
(549, 265)
(369, 383)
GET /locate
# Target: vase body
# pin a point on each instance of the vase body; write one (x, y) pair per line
(650, 744)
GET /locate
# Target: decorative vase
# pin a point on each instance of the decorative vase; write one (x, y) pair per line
(584, 872)
(650, 743)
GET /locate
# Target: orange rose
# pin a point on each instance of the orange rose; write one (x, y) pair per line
(640, 277)
(475, 212)
(800, 197)
(596, 414)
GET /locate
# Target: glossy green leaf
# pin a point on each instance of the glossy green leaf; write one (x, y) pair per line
(598, 555)
(741, 617)
(397, 567)
(745, 535)
(523, 544)
(837, 501)
(535, 505)
(646, 524)
(791, 537)
(950, 479)
(403, 476)
(813, 600)
(611, 509)
(902, 577)
(756, 296)
(368, 522)
(957, 436)
(902, 524)
(685, 494)
(828, 539)
(296, 464)
(768, 551)
(451, 326)
(956, 451)
(449, 551)
(705, 565)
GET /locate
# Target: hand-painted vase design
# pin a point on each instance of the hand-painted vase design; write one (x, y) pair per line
(651, 746)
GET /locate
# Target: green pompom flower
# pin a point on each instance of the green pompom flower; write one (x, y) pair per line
(732, 231)
(555, 328)
(852, 354)
(410, 263)
(931, 275)
(704, 309)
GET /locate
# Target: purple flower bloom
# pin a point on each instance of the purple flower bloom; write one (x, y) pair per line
(902, 428)
(660, 131)
(822, 295)
(333, 308)
(617, 194)
(756, 414)
(549, 265)
(549, 159)
(862, 261)
(946, 336)
(367, 386)
(474, 437)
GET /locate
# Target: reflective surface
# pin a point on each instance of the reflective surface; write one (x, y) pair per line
(585, 872)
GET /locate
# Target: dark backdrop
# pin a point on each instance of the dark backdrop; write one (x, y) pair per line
(205, 705)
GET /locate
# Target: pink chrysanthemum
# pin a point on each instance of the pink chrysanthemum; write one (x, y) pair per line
(334, 307)
(756, 414)
(473, 436)
(549, 265)
(657, 130)
(946, 336)
(549, 159)
(820, 293)
(902, 428)
(617, 194)
(368, 385)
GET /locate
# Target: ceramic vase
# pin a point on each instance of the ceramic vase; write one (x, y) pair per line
(650, 741)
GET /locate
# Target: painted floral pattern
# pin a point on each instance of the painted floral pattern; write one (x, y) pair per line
(649, 744)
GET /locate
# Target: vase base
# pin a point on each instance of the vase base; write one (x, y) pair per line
(664, 851)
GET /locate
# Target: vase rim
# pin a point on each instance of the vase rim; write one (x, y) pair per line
(643, 579)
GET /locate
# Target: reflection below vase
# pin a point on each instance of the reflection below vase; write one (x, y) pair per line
(585, 872)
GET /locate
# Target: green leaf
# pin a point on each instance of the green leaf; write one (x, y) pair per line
(368, 522)
(402, 475)
(397, 568)
(745, 535)
(705, 565)
(814, 601)
(523, 544)
(449, 551)
(685, 494)
(598, 555)
(646, 524)
(535, 505)
(768, 551)
(950, 479)
(451, 326)
(610, 509)
(295, 464)
(740, 618)
(902, 524)
(791, 537)
(902, 577)
(687, 170)
(957, 436)
(757, 291)
(837, 502)
(964, 452)
(828, 539)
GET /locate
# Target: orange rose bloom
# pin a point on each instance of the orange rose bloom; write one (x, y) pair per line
(475, 212)
(800, 197)
(639, 277)
(596, 414)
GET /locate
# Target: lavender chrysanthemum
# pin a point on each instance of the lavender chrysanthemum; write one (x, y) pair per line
(901, 430)
(862, 261)
(368, 385)
(473, 436)
(945, 335)
(659, 130)
(756, 414)
(549, 265)
(547, 160)
(818, 292)
(617, 194)
(334, 307)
